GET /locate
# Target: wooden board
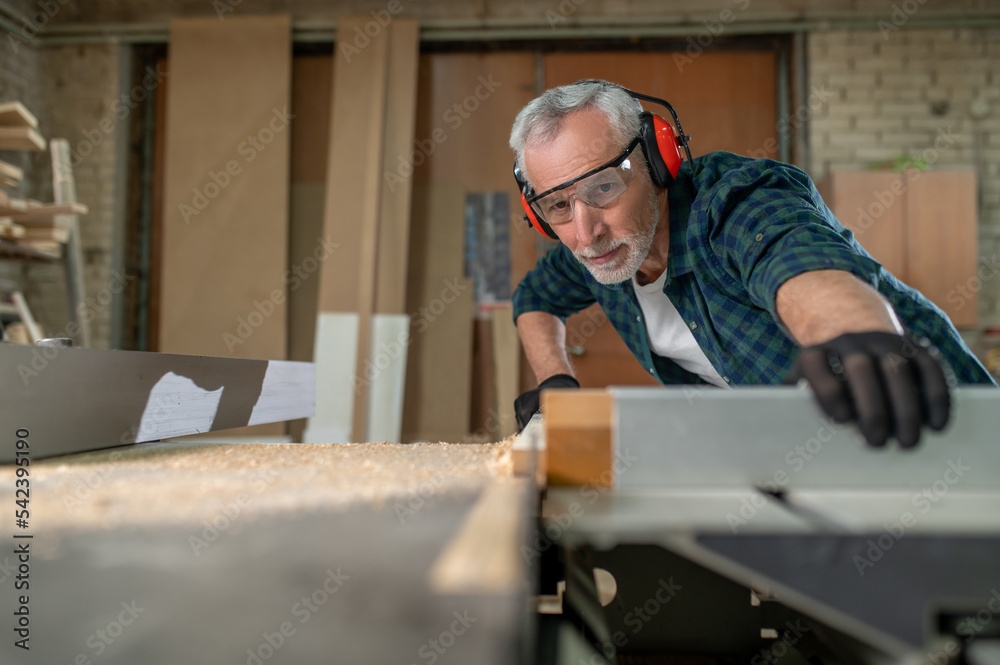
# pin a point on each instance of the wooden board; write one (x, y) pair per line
(44, 212)
(20, 138)
(312, 81)
(578, 446)
(873, 206)
(944, 257)
(10, 173)
(440, 298)
(506, 353)
(484, 555)
(352, 194)
(224, 267)
(15, 114)
(110, 398)
(394, 213)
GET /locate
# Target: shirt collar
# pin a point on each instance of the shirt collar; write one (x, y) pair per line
(680, 195)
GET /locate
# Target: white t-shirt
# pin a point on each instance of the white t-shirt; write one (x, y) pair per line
(669, 336)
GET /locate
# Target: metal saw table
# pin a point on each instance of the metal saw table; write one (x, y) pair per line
(789, 538)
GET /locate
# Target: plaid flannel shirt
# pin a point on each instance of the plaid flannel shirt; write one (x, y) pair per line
(739, 228)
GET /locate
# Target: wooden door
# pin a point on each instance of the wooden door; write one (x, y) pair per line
(725, 101)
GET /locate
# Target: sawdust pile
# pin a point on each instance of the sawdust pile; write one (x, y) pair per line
(179, 483)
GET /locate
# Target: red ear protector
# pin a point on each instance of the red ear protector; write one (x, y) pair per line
(660, 145)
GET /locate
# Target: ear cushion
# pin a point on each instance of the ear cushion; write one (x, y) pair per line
(659, 145)
(537, 222)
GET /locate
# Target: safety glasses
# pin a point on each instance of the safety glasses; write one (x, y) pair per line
(597, 188)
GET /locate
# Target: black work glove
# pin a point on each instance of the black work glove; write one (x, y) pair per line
(527, 403)
(891, 385)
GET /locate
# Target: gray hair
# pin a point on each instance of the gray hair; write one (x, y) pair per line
(542, 118)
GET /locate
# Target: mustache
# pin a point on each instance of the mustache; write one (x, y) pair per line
(599, 248)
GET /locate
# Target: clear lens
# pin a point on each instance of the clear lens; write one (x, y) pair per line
(598, 191)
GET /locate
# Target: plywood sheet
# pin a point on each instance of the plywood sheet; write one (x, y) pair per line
(942, 241)
(873, 206)
(506, 350)
(227, 135)
(394, 213)
(440, 299)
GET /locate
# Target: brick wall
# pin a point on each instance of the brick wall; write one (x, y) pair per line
(912, 91)
(81, 84)
(19, 81)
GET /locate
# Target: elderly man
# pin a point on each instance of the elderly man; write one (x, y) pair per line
(722, 270)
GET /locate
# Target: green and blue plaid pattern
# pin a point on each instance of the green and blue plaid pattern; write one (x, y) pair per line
(739, 228)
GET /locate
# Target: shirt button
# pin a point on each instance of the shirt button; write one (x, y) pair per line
(651, 370)
(693, 325)
(760, 236)
(638, 318)
(726, 379)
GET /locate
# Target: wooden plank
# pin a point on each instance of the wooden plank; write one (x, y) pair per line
(873, 206)
(10, 173)
(46, 212)
(484, 556)
(111, 398)
(944, 257)
(312, 94)
(20, 138)
(34, 332)
(64, 190)
(438, 371)
(15, 114)
(506, 355)
(230, 84)
(578, 437)
(400, 121)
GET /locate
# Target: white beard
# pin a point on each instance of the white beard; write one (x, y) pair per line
(627, 264)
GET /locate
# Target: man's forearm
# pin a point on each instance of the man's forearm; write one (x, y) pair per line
(543, 337)
(820, 305)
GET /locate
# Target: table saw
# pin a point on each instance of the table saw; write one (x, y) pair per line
(668, 525)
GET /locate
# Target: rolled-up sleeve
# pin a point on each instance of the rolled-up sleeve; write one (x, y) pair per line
(771, 225)
(558, 284)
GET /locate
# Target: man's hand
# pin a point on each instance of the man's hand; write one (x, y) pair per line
(527, 403)
(890, 384)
